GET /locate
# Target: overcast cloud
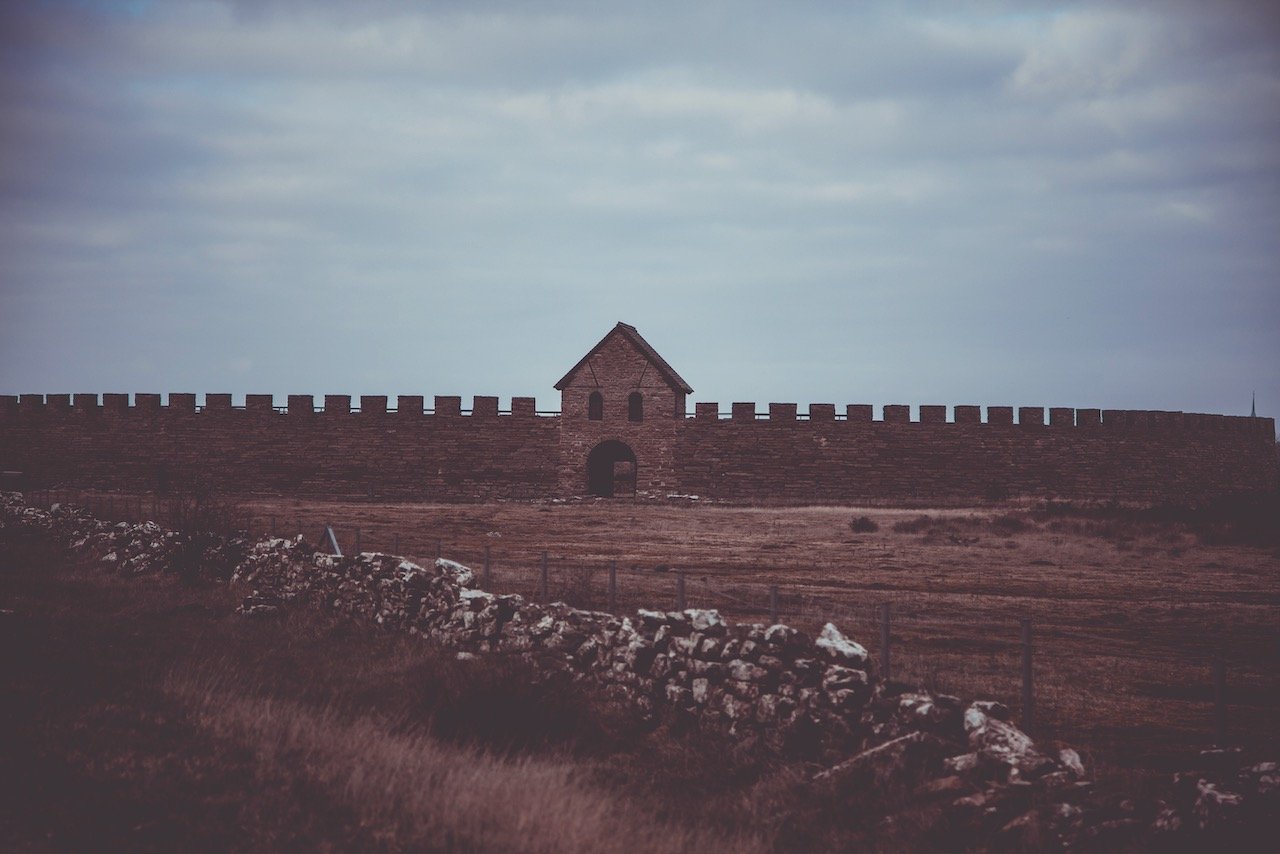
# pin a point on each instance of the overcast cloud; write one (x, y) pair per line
(1062, 204)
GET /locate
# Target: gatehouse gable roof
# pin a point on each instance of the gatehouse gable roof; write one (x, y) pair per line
(646, 349)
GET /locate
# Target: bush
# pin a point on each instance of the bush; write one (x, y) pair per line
(207, 520)
(914, 526)
(863, 525)
(1010, 523)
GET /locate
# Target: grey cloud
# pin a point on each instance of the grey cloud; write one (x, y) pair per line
(1004, 203)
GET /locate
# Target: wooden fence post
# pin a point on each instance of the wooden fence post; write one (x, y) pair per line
(773, 604)
(680, 602)
(1219, 702)
(613, 586)
(327, 534)
(544, 577)
(488, 577)
(1028, 690)
(886, 669)
(396, 547)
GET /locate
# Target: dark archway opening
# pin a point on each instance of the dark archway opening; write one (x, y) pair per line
(611, 470)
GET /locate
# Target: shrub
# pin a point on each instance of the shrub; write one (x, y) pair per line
(206, 519)
(914, 526)
(863, 525)
(1007, 524)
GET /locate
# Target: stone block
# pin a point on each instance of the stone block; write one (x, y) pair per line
(999, 414)
(897, 413)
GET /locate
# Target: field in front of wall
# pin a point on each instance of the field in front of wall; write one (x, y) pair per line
(1127, 610)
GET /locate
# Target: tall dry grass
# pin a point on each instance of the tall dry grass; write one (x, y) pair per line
(422, 793)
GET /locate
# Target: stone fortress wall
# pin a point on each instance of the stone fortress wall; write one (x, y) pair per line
(624, 428)
(448, 453)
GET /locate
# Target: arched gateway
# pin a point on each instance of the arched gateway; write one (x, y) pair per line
(611, 469)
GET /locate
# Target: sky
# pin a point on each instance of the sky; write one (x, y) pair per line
(1060, 204)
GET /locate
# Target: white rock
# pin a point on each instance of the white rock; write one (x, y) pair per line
(1071, 761)
(460, 575)
(701, 620)
(836, 644)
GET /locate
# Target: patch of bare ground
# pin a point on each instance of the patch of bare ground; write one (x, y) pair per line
(1128, 608)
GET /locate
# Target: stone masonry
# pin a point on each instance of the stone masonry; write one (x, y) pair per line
(747, 453)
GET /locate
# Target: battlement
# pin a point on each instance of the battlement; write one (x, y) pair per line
(486, 406)
(1025, 417)
(294, 405)
(625, 429)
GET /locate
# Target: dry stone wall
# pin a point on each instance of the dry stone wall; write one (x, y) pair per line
(772, 686)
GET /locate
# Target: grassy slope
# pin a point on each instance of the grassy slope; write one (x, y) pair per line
(145, 715)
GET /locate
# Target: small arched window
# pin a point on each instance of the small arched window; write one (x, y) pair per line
(595, 406)
(635, 407)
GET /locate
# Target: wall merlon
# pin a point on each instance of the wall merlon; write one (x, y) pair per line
(146, 402)
(822, 412)
(447, 405)
(1031, 416)
(1061, 416)
(524, 407)
(182, 401)
(1002, 415)
(897, 413)
(1113, 418)
(58, 402)
(337, 404)
(115, 403)
(217, 402)
(968, 414)
(259, 402)
(85, 402)
(484, 406)
(858, 412)
(782, 412)
(301, 404)
(373, 404)
(706, 411)
(1088, 417)
(9, 404)
(411, 405)
(743, 412)
(933, 414)
(31, 403)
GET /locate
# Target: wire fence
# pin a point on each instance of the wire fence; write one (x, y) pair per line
(1046, 665)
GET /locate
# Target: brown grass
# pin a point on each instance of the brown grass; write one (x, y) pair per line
(422, 793)
(1128, 606)
(144, 715)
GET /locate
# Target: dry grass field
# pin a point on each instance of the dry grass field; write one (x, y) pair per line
(1128, 610)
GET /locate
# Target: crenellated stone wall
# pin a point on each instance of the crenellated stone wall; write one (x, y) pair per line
(451, 454)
